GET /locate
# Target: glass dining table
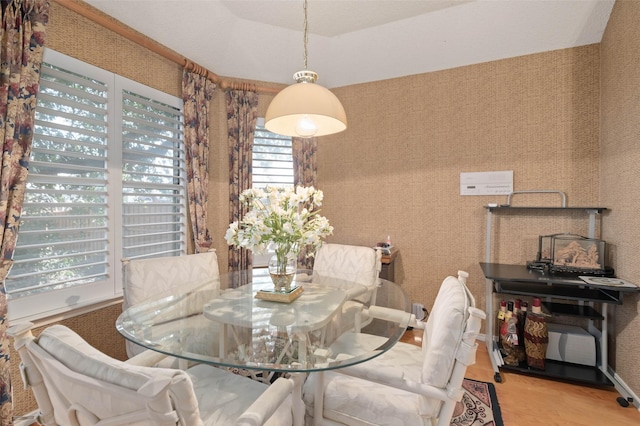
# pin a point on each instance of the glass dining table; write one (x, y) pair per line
(221, 322)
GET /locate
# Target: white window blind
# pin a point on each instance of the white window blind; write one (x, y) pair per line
(106, 181)
(63, 234)
(153, 178)
(272, 160)
(272, 165)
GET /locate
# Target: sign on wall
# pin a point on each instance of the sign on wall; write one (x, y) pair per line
(486, 183)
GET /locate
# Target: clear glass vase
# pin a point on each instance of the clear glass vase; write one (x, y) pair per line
(282, 269)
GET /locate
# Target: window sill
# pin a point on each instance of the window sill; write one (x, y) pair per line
(60, 315)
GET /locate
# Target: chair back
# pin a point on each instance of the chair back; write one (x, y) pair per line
(75, 384)
(147, 278)
(448, 343)
(358, 264)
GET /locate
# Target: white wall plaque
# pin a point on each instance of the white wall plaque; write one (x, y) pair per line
(486, 183)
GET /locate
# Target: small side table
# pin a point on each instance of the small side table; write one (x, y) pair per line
(388, 260)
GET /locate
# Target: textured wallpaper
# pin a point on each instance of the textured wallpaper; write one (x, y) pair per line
(620, 175)
(396, 170)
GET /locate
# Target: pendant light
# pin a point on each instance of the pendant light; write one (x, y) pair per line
(305, 109)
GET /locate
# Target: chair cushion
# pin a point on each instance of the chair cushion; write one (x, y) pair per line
(223, 397)
(443, 332)
(347, 397)
(384, 405)
(77, 355)
(201, 395)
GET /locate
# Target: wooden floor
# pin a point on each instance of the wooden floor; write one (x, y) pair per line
(526, 400)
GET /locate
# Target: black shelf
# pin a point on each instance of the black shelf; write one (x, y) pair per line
(556, 291)
(518, 279)
(572, 310)
(558, 370)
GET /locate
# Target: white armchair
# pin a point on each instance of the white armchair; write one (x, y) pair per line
(144, 279)
(357, 265)
(407, 385)
(75, 384)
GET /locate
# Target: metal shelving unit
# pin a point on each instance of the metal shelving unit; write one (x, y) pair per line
(581, 298)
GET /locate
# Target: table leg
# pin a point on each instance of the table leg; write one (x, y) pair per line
(297, 405)
(318, 398)
(302, 348)
(222, 338)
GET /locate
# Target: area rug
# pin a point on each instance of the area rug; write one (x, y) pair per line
(479, 405)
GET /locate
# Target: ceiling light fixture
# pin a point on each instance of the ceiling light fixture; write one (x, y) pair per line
(305, 109)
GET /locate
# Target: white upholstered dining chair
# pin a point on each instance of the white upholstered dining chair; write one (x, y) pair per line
(407, 385)
(355, 264)
(144, 279)
(75, 384)
(358, 264)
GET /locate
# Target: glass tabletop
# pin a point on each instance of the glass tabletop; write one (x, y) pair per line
(222, 322)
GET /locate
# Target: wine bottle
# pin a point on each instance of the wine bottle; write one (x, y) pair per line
(502, 313)
(509, 337)
(536, 335)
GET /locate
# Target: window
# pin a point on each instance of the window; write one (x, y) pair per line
(106, 181)
(153, 178)
(272, 165)
(272, 159)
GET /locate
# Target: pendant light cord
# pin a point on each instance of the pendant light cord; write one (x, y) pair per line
(305, 38)
(305, 76)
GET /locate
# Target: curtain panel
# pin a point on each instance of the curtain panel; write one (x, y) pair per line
(305, 172)
(242, 114)
(197, 92)
(305, 168)
(22, 43)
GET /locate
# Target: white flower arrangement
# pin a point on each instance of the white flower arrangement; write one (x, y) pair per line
(286, 219)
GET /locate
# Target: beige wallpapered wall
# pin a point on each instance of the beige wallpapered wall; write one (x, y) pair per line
(395, 171)
(73, 35)
(620, 173)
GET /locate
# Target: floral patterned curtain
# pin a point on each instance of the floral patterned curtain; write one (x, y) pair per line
(305, 167)
(304, 174)
(22, 45)
(197, 92)
(242, 113)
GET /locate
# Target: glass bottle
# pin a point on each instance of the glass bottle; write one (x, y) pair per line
(536, 335)
(502, 313)
(509, 337)
(519, 344)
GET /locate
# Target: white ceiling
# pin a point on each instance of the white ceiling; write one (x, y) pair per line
(357, 41)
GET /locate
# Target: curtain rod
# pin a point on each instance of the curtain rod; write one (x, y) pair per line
(130, 34)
